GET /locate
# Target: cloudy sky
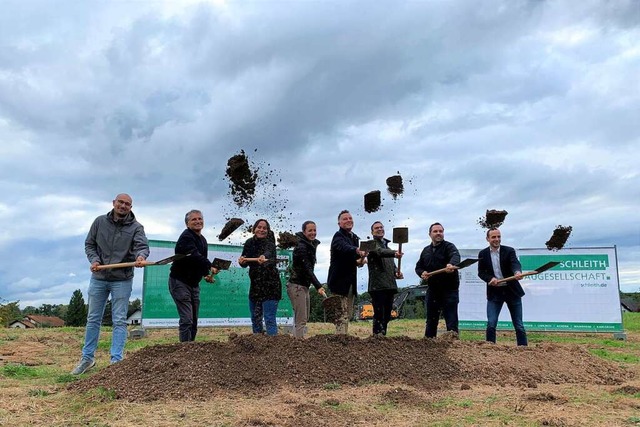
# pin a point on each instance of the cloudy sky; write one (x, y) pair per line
(527, 106)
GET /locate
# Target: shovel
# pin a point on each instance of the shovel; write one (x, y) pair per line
(538, 270)
(165, 261)
(221, 264)
(400, 236)
(368, 245)
(333, 308)
(466, 263)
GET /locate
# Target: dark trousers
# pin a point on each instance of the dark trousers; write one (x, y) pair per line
(187, 299)
(514, 304)
(382, 305)
(441, 302)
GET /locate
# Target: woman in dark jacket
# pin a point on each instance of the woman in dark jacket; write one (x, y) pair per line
(302, 277)
(259, 254)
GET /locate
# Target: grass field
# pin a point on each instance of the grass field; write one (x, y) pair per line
(35, 366)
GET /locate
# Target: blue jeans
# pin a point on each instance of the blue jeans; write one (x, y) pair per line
(99, 291)
(441, 302)
(266, 309)
(514, 305)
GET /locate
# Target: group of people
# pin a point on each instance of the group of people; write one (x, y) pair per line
(118, 237)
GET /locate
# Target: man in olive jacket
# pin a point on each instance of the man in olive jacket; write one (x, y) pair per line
(382, 279)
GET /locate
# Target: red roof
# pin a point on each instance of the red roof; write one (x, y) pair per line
(52, 321)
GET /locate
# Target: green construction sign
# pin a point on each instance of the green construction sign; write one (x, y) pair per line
(222, 303)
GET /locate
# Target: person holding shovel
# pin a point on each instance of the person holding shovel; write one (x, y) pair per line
(186, 273)
(345, 259)
(442, 292)
(265, 290)
(302, 277)
(382, 279)
(113, 238)
(494, 263)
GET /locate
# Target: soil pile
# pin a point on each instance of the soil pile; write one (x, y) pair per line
(287, 240)
(372, 201)
(559, 238)
(394, 186)
(243, 179)
(258, 364)
(231, 226)
(492, 219)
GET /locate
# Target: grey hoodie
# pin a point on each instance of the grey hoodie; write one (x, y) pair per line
(111, 242)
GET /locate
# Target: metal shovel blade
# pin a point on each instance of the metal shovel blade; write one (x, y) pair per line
(221, 264)
(170, 259)
(368, 245)
(401, 235)
(467, 262)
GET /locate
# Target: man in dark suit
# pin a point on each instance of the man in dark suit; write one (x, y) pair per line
(494, 263)
(346, 257)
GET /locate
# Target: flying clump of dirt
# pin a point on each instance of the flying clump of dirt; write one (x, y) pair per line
(231, 226)
(492, 219)
(243, 179)
(395, 186)
(287, 240)
(372, 201)
(559, 238)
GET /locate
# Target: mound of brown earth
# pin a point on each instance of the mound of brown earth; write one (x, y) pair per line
(493, 218)
(287, 240)
(395, 186)
(559, 238)
(257, 365)
(372, 201)
(231, 226)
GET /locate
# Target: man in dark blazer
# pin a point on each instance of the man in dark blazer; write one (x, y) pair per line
(494, 263)
(346, 257)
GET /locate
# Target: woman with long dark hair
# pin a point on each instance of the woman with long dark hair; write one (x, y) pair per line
(265, 291)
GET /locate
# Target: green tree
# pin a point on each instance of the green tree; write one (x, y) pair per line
(45, 310)
(29, 310)
(134, 305)
(9, 312)
(77, 311)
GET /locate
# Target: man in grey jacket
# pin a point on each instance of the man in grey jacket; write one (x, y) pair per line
(113, 238)
(382, 279)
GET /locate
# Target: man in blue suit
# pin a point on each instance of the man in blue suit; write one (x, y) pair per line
(494, 263)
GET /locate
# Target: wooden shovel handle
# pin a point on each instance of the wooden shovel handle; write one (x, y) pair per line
(506, 279)
(399, 259)
(254, 259)
(123, 265)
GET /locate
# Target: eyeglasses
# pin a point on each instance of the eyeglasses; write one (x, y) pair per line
(123, 202)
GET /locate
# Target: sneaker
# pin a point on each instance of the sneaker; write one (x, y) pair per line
(83, 366)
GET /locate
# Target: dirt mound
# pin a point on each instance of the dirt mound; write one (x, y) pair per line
(287, 240)
(559, 238)
(243, 179)
(395, 186)
(231, 226)
(372, 201)
(492, 219)
(257, 364)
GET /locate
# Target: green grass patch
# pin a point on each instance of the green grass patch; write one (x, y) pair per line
(631, 321)
(66, 378)
(615, 356)
(38, 393)
(21, 371)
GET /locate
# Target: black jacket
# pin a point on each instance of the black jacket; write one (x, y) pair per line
(509, 264)
(191, 269)
(304, 260)
(382, 267)
(265, 279)
(434, 258)
(343, 268)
